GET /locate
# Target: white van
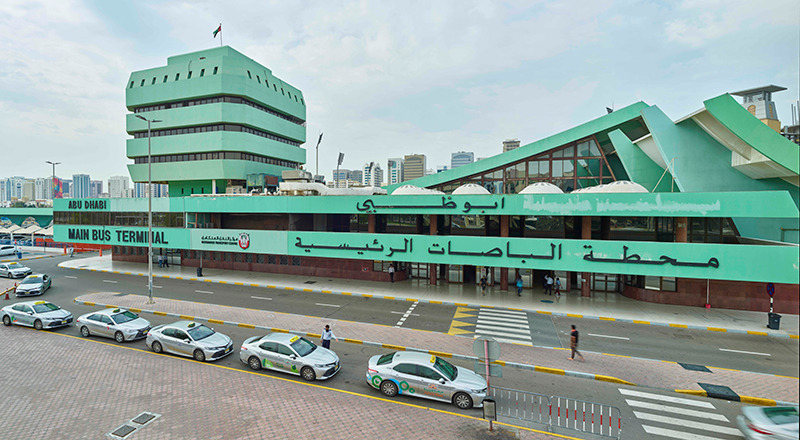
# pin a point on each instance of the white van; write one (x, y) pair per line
(8, 249)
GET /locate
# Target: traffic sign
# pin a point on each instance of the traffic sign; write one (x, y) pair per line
(480, 351)
(771, 289)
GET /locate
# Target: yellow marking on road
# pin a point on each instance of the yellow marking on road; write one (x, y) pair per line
(254, 285)
(135, 310)
(549, 370)
(679, 325)
(366, 295)
(750, 332)
(519, 310)
(544, 312)
(461, 312)
(693, 392)
(187, 317)
(160, 313)
(216, 321)
(612, 379)
(717, 329)
(499, 362)
(246, 325)
(109, 306)
(461, 304)
(88, 303)
(280, 330)
(440, 353)
(208, 281)
(127, 273)
(271, 287)
(641, 322)
(616, 355)
(603, 318)
(573, 315)
(757, 401)
(412, 299)
(239, 284)
(794, 336)
(313, 335)
(192, 279)
(288, 288)
(435, 302)
(222, 282)
(326, 291)
(394, 347)
(787, 377)
(116, 271)
(164, 276)
(353, 341)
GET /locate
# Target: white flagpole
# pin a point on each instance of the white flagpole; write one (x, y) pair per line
(220, 35)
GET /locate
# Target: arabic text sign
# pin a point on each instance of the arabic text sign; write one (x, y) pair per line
(684, 260)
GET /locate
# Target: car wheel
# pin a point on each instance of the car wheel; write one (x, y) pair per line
(6, 321)
(462, 401)
(199, 355)
(119, 337)
(85, 331)
(388, 388)
(308, 374)
(156, 346)
(37, 325)
(254, 363)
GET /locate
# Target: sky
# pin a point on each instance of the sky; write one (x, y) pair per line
(386, 79)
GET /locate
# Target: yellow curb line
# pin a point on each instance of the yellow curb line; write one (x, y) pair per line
(557, 371)
(701, 393)
(187, 317)
(611, 379)
(716, 329)
(247, 325)
(757, 401)
(216, 321)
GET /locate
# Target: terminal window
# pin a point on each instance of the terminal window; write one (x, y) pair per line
(202, 72)
(249, 75)
(165, 78)
(142, 83)
(190, 75)
(215, 70)
(177, 76)
(154, 81)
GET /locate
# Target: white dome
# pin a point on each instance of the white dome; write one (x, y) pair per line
(620, 186)
(541, 188)
(470, 189)
(411, 190)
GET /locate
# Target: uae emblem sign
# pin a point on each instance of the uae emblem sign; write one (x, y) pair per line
(244, 240)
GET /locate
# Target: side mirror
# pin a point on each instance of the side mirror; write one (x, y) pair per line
(186, 341)
(441, 380)
(293, 357)
(30, 313)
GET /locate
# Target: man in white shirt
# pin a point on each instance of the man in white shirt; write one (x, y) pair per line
(327, 334)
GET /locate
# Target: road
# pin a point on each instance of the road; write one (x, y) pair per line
(759, 354)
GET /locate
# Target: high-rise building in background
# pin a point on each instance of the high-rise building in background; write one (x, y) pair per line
(510, 144)
(355, 175)
(39, 191)
(441, 168)
(209, 101)
(3, 192)
(95, 188)
(29, 189)
(414, 166)
(394, 170)
(14, 188)
(117, 185)
(759, 103)
(80, 188)
(461, 158)
(66, 188)
(159, 190)
(373, 174)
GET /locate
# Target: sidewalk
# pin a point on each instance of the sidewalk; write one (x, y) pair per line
(602, 305)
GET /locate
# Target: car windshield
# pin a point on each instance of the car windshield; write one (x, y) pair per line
(303, 346)
(44, 308)
(782, 415)
(200, 332)
(385, 359)
(15, 266)
(36, 280)
(124, 317)
(449, 370)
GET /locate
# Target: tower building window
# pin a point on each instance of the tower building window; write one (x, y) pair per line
(177, 76)
(215, 70)
(249, 75)
(165, 78)
(202, 72)
(154, 81)
(142, 84)
(190, 75)
(131, 86)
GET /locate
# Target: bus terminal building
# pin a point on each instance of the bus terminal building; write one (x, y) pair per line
(699, 210)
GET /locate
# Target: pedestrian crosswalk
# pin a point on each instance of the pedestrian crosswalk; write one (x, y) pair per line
(503, 325)
(664, 416)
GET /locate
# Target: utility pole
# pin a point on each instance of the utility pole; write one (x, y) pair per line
(54, 176)
(149, 212)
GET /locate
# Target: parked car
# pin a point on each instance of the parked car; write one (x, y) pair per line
(122, 325)
(8, 249)
(187, 338)
(35, 284)
(291, 354)
(769, 422)
(14, 270)
(426, 376)
(36, 314)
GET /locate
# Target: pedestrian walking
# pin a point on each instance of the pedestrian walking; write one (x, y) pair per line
(71, 251)
(327, 334)
(391, 272)
(573, 344)
(544, 284)
(549, 284)
(166, 261)
(558, 287)
(519, 285)
(160, 261)
(484, 281)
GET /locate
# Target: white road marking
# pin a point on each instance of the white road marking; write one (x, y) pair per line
(510, 330)
(607, 336)
(491, 321)
(261, 297)
(205, 291)
(487, 332)
(407, 314)
(676, 434)
(672, 409)
(745, 352)
(70, 276)
(328, 305)
(509, 320)
(504, 312)
(154, 286)
(110, 281)
(687, 423)
(670, 399)
(403, 313)
(510, 341)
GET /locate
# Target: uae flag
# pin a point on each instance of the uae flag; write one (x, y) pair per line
(219, 29)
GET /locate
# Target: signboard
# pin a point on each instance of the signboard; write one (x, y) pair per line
(479, 348)
(234, 240)
(770, 289)
(176, 238)
(58, 188)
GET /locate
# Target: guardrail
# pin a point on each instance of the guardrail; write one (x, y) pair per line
(559, 412)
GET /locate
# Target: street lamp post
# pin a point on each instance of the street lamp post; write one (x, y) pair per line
(149, 213)
(54, 176)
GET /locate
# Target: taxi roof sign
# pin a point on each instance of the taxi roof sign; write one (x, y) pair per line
(116, 311)
(294, 339)
(191, 325)
(40, 302)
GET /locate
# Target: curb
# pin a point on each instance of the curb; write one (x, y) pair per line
(456, 304)
(535, 368)
(744, 399)
(26, 259)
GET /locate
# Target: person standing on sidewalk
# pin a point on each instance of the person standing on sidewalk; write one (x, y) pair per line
(483, 284)
(573, 344)
(327, 334)
(71, 251)
(549, 284)
(558, 288)
(519, 285)
(391, 271)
